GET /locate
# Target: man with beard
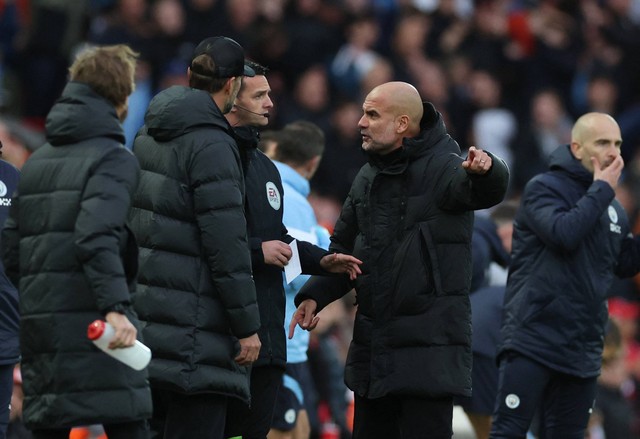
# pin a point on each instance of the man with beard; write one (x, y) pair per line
(409, 218)
(570, 238)
(196, 296)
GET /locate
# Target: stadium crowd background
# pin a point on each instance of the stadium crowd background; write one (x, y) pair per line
(509, 76)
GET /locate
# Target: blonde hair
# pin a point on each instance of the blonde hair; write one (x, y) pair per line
(108, 70)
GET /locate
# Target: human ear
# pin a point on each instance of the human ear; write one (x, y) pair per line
(576, 150)
(402, 123)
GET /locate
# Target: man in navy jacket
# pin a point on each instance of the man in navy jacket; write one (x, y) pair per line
(570, 238)
(9, 315)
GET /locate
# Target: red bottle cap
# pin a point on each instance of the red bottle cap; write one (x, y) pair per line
(96, 329)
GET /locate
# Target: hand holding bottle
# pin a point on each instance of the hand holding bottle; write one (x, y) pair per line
(103, 334)
(125, 332)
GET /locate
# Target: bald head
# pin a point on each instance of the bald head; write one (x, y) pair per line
(401, 98)
(596, 135)
(392, 111)
(589, 124)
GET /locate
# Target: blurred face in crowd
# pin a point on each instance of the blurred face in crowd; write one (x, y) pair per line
(596, 135)
(253, 103)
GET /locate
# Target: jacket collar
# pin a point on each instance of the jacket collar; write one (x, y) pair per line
(562, 159)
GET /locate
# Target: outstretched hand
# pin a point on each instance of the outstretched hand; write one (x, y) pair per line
(477, 161)
(305, 316)
(341, 263)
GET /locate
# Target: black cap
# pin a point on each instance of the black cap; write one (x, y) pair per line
(227, 56)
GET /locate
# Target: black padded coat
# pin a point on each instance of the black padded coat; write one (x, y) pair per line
(67, 247)
(409, 218)
(195, 295)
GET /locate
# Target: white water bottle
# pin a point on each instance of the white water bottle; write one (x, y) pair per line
(136, 356)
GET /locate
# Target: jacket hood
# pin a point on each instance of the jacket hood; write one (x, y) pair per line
(432, 129)
(80, 114)
(179, 110)
(562, 159)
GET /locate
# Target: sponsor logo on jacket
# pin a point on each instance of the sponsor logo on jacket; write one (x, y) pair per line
(273, 196)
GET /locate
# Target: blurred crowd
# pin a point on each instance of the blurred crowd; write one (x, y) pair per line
(509, 76)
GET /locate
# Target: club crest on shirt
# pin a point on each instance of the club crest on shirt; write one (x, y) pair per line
(273, 196)
(613, 216)
(4, 201)
(512, 401)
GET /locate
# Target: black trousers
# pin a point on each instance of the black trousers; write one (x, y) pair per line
(255, 422)
(125, 430)
(180, 416)
(403, 418)
(525, 386)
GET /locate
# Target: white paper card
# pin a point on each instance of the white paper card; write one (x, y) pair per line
(293, 269)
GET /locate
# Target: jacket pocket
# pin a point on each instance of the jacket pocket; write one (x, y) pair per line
(415, 285)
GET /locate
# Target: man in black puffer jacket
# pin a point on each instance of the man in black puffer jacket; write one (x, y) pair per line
(409, 218)
(196, 297)
(68, 249)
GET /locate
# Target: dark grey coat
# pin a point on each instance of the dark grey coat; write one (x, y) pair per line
(196, 295)
(67, 247)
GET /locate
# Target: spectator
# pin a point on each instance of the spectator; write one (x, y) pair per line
(550, 126)
(69, 222)
(408, 217)
(611, 403)
(492, 236)
(343, 156)
(18, 140)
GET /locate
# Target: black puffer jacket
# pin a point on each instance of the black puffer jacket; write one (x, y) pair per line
(264, 209)
(409, 218)
(195, 295)
(67, 237)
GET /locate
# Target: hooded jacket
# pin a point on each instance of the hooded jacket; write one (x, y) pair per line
(195, 296)
(67, 247)
(9, 314)
(409, 218)
(570, 238)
